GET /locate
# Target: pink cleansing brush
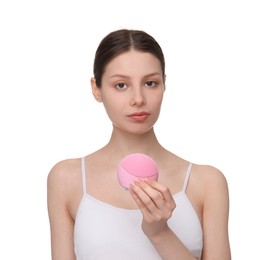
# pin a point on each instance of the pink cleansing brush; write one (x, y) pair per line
(136, 166)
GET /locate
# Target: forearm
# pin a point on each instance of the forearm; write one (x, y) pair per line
(169, 246)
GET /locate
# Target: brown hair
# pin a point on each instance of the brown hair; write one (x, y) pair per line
(121, 41)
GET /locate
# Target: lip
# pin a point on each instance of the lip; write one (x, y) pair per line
(139, 116)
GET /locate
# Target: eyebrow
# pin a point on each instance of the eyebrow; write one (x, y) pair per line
(127, 77)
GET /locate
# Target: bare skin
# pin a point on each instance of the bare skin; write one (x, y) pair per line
(207, 188)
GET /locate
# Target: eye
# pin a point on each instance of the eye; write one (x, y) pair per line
(151, 84)
(121, 86)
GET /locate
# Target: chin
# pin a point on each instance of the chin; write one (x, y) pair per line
(135, 130)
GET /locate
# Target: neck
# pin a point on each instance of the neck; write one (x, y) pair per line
(122, 143)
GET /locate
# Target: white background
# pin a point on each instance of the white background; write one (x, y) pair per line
(219, 105)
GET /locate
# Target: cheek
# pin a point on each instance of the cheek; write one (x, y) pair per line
(112, 98)
(155, 105)
(158, 100)
(112, 106)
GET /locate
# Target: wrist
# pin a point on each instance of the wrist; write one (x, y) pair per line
(157, 237)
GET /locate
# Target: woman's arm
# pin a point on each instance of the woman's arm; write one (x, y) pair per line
(156, 204)
(215, 217)
(61, 223)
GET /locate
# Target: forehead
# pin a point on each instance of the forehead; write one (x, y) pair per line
(134, 63)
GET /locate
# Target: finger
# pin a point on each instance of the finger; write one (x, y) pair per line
(135, 196)
(167, 205)
(163, 190)
(143, 200)
(150, 196)
(147, 215)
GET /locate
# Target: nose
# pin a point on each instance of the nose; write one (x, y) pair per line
(137, 97)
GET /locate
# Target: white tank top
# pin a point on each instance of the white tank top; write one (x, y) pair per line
(106, 232)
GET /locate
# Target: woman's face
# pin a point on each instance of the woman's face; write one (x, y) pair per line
(132, 91)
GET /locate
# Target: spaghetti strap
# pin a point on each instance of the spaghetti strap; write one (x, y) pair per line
(83, 175)
(188, 172)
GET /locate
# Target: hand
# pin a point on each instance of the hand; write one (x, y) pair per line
(156, 204)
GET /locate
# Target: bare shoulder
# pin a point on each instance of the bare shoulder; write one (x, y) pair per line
(64, 175)
(213, 189)
(209, 176)
(61, 189)
(208, 183)
(64, 169)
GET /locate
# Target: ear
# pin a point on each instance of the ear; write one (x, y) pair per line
(96, 90)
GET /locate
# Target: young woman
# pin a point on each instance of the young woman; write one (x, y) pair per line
(183, 215)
